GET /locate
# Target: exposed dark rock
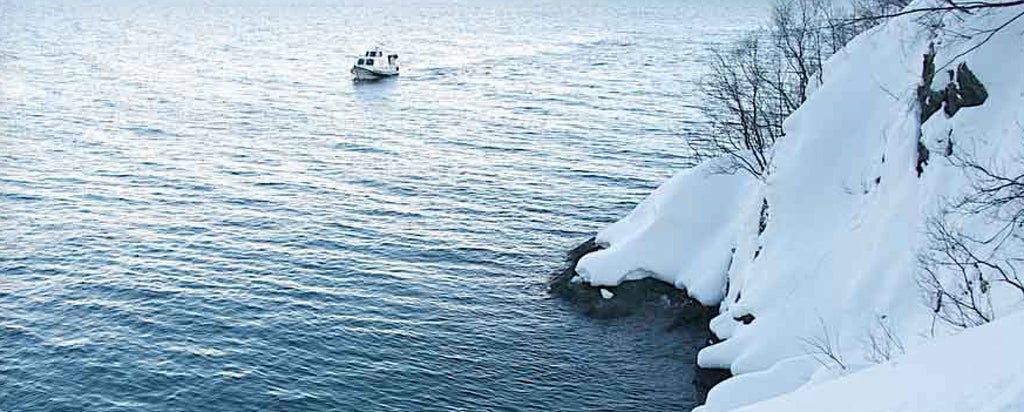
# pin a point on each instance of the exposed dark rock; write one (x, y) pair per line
(928, 100)
(633, 297)
(584, 248)
(928, 67)
(922, 158)
(962, 90)
(630, 297)
(560, 283)
(951, 97)
(706, 378)
(692, 313)
(763, 223)
(972, 91)
(745, 319)
(931, 104)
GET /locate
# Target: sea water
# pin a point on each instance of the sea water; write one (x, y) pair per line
(201, 211)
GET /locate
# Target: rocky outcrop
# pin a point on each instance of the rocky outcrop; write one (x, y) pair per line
(705, 379)
(562, 282)
(627, 298)
(928, 100)
(970, 92)
(922, 157)
(962, 90)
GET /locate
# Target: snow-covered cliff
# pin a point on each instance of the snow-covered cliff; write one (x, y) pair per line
(836, 265)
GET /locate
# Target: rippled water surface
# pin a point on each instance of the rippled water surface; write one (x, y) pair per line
(199, 210)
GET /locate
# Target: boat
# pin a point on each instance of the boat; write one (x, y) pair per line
(375, 64)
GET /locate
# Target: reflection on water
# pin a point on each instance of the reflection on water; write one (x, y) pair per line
(200, 210)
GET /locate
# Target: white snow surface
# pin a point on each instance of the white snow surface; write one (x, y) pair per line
(981, 370)
(649, 242)
(847, 222)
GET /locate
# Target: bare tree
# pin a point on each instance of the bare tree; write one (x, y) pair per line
(943, 6)
(883, 342)
(798, 38)
(825, 348)
(960, 267)
(870, 11)
(879, 10)
(807, 33)
(760, 80)
(754, 84)
(743, 104)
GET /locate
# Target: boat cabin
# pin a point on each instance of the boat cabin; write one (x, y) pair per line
(375, 64)
(376, 58)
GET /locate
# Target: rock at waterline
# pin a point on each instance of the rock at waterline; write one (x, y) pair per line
(645, 295)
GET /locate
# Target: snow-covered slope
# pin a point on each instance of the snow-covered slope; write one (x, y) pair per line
(706, 204)
(847, 213)
(980, 370)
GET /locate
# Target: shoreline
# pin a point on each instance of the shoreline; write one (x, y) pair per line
(634, 297)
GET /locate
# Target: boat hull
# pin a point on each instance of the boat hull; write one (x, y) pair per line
(362, 73)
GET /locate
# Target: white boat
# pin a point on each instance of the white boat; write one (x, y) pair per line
(374, 64)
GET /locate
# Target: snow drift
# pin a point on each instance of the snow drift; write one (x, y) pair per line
(978, 370)
(838, 258)
(648, 241)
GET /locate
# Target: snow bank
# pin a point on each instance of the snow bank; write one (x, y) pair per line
(649, 242)
(847, 214)
(981, 369)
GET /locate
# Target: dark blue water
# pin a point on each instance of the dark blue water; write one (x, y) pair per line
(200, 211)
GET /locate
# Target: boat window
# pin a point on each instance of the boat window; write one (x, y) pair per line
(361, 61)
(369, 62)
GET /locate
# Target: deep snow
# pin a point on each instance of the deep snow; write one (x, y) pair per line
(839, 257)
(980, 370)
